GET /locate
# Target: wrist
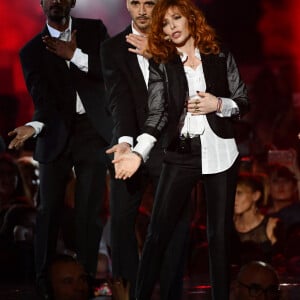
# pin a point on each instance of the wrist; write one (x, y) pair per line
(138, 154)
(219, 105)
(126, 144)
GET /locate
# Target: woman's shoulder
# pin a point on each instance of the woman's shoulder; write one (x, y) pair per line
(275, 229)
(272, 222)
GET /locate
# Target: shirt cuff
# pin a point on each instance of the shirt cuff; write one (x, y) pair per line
(145, 142)
(229, 108)
(126, 139)
(81, 60)
(37, 126)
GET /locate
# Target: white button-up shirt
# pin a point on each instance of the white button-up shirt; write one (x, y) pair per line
(218, 154)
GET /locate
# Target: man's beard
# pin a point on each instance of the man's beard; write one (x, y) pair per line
(58, 15)
(56, 18)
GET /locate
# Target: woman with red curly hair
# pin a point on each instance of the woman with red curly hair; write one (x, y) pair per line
(195, 91)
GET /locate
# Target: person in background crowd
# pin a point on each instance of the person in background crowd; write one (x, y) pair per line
(256, 280)
(283, 202)
(259, 237)
(67, 279)
(29, 170)
(12, 191)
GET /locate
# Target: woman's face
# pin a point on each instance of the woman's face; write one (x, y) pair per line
(245, 199)
(282, 189)
(176, 26)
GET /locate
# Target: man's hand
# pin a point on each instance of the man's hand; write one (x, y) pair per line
(119, 149)
(61, 48)
(21, 134)
(127, 165)
(140, 42)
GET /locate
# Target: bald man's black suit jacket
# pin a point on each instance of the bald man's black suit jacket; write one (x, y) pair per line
(53, 85)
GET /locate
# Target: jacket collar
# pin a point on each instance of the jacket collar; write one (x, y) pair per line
(133, 64)
(56, 33)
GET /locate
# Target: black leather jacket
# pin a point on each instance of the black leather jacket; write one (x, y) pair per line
(168, 91)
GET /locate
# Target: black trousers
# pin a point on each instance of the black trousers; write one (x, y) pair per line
(126, 197)
(85, 152)
(179, 175)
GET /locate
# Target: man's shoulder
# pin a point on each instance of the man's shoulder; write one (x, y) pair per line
(117, 39)
(35, 42)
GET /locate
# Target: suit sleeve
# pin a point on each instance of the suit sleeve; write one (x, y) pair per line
(237, 88)
(157, 100)
(38, 85)
(50, 100)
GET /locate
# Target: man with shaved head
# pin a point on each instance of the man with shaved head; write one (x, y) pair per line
(257, 280)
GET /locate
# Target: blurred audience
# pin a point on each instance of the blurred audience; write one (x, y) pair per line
(258, 237)
(120, 289)
(19, 223)
(67, 279)
(256, 280)
(12, 187)
(292, 251)
(104, 267)
(16, 243)
(283, 199)
(29, 171)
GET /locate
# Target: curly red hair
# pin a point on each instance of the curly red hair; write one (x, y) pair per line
(204, 35)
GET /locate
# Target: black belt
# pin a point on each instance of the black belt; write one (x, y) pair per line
(182, 144)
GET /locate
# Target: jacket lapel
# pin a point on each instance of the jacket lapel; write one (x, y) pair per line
(133, 65)
(58, 63)
(80, 36)
(178, 87)
(207, 65)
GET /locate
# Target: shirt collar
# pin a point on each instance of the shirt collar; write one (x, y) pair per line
(56, 33)
(134, 30)
(184, 57)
